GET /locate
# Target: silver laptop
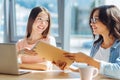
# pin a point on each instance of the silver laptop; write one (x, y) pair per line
(8, 59)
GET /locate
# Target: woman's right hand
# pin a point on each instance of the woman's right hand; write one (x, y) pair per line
(28, 52)
(60, 64)
(78, 57)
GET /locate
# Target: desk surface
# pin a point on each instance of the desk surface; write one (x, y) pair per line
(49, 75)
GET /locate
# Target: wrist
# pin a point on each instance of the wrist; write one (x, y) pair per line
(93, 62)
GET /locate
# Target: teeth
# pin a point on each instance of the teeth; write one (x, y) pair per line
(40, 27)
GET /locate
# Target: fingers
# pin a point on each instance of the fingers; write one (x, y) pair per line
(53, 62)
(30, 52)
(60, 64)
(63, 65)
(70, 56)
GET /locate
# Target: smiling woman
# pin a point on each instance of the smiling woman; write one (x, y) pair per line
(38, 27)
(41, 22)
(105, 51)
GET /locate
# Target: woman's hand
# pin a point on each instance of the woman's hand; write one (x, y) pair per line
(78, 57)
(60, 64)
(28, 52)
(30, 56)
(83, 58)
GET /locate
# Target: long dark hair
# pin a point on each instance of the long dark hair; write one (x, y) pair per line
(33, 14)
(109, 15)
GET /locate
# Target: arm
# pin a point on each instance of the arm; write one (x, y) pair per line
(25, 55)
(33, 66)
(83, 58)
(31, 59)
(112, 67)
(93, 62)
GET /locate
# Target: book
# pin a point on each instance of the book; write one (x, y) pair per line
(51, 53)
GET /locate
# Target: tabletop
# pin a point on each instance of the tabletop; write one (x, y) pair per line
(49, 75)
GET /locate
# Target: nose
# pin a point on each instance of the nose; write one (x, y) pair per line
(42, 22)
(91, 23)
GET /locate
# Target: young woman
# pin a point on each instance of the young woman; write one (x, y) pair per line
(105, 53)
(38, 27)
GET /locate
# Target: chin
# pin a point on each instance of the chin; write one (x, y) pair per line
(95, 33)
(40, 31)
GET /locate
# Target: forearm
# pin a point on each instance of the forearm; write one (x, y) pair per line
(93, 62)
(33, 66)
(31, 59)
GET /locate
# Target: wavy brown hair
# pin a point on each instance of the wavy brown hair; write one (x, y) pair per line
(109, 15)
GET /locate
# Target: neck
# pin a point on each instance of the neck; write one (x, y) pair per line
(108, 41)
(35, 36)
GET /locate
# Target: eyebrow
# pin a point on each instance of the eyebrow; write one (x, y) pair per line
(95, 17)
(43, 17)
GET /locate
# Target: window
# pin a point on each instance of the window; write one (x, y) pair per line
(22, 12)
(78, 22)
(1, 21)
(69, 20)
(16, 17)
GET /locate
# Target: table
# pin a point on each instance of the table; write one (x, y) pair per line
(49, 75)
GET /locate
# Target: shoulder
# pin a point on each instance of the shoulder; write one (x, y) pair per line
(52, 40)
(21, 41)
(19, 44)
(116, 44)
(51, 37)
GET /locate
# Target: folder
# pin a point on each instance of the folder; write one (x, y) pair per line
(51, 53)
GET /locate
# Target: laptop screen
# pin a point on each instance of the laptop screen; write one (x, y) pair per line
(8, 58)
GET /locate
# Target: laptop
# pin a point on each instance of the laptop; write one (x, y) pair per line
(8, 59)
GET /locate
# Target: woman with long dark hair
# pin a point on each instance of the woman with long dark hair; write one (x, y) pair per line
(105, 54)
(38, 26)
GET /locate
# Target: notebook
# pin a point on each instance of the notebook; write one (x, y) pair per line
(8, 59)
(51, 53)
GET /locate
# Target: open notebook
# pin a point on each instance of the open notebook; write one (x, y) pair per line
(50, 52)
(8, 59)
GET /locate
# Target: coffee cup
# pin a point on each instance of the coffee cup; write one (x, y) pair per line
(88, 72)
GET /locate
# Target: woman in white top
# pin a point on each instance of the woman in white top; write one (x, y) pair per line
(38, 27)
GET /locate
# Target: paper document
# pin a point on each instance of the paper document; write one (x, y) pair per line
(50, 52)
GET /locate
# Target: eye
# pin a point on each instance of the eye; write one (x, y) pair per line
(39, 18)
(94, 19)
(47, 20)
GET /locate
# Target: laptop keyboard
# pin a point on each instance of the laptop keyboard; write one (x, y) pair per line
(23, 72)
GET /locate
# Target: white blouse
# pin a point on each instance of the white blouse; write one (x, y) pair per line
(103, 54)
